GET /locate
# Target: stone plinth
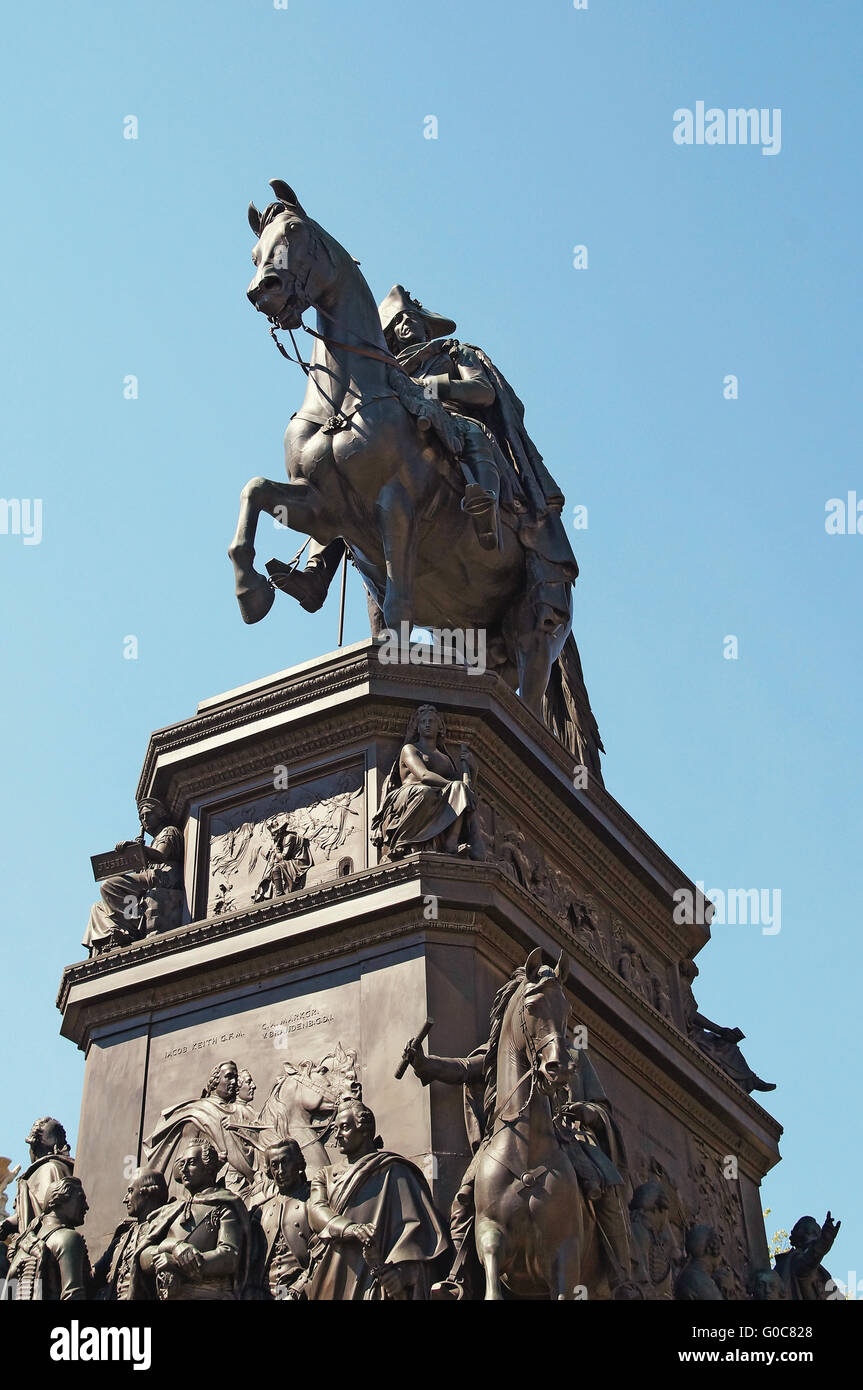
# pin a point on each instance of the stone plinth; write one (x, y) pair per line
(362, 950)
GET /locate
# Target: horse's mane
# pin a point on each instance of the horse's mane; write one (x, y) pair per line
(498, 1011)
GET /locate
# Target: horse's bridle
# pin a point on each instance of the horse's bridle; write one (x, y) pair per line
(366, 350)
(338, 420)
(534, 1051)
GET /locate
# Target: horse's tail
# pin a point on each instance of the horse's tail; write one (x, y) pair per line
(566, 710)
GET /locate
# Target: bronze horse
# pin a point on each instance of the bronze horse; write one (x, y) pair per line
(360, 468)
(530, 1215)
(302, 1105)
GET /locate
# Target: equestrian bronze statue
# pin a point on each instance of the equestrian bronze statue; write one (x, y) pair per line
(410, 451)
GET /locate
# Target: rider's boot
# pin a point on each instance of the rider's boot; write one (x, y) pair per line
(483, 487)
(309, 586)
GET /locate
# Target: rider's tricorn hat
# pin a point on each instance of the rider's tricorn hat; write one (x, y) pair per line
(398, 300)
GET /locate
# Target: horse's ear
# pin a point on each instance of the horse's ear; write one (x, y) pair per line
(254, 219)
(285, 194)
(533, 965)
(561, 970)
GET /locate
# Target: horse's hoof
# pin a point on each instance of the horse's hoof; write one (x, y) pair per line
(256, 599)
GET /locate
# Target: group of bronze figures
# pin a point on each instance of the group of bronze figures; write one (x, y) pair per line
(239, 1202)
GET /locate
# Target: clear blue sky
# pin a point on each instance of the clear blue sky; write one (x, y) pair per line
(706, 516)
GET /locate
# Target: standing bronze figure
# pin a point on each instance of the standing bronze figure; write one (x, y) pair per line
(50, 1162)
(116, 1275)
(197, 1248)
(280, 1226)
(48, 1261)
(378, 1231)
(804, 1277)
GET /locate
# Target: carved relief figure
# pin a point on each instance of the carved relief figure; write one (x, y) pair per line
(631, 967)
(377, 1227)
(427, 800)
(585, 926)
(141, 901)
(718, 1203)
(804, 1277)
(281, 841)
(198, 1247)
(280, 1226)
(768, 1287)
(246, 1089)
(653, 1243)
(511, 854)
(216, 1115)
(288, 861)
(48, 1261)
(697, 1280)
(116, 1275)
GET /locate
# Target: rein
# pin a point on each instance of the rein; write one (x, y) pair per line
(338, 420)
(534, 1051)
(366, 351)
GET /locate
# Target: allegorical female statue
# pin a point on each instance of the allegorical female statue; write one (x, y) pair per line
(141, 900)
(428, 801)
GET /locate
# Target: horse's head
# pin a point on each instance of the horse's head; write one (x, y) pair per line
(544, 1018)
(287, 254)
(314, 1088)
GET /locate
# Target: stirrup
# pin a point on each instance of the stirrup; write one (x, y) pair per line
(447, 1291)
(481, 507)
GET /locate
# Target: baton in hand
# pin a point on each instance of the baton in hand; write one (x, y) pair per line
(414, 1042)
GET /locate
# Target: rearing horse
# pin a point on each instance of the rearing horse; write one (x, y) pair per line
(360, 468)
(530, 1222)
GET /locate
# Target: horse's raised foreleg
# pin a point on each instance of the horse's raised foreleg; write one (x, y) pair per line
(489, 1240)
(395, 516)
(294, 506)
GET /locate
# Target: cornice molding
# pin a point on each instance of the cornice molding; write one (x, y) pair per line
(477, 900)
